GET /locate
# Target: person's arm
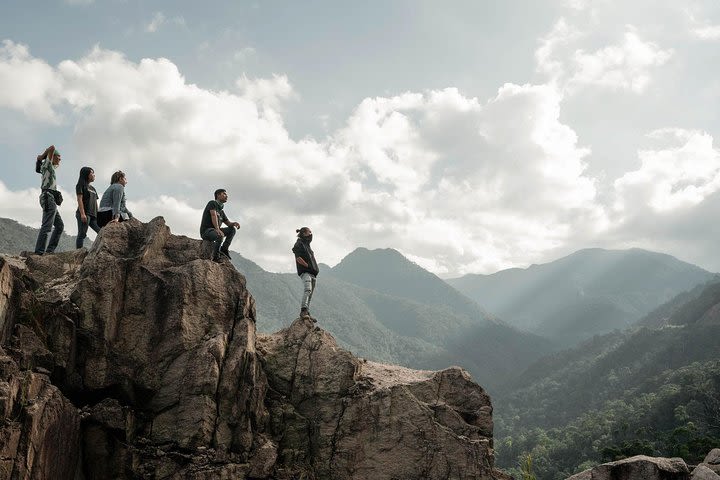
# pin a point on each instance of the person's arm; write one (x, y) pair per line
(297, 250)
(228, 222)
(123, 206)
(215, 222)
(117, 194)
(48, 153)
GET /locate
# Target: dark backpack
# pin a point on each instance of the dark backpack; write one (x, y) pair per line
(38, 164)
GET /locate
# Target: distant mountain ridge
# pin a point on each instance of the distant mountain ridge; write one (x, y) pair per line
(387, 270)
(15, 237)
(590, 292)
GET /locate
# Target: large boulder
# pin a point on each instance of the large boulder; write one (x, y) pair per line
(640, 467)
(709, 469)
(712, 460)
(156, 347)
(703, 472)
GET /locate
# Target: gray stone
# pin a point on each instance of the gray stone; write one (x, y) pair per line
(703, 472)
(639, 467)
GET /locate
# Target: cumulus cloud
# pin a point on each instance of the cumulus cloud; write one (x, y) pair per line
(468, 185)
(546, 56)
(266, 91)
(680, 174)
(28, 84)
(459, 183)
(708, 32)
(625, 66)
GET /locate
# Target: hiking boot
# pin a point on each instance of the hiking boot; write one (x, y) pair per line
(221, 257)
(304, 313)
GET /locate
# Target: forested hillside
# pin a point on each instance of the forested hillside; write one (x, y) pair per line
(647, 391)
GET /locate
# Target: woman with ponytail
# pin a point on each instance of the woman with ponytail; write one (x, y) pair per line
(87, 198)
(307, 268)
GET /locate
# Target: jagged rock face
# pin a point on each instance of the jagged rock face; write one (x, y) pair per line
(156, 346)
(40, 428)
(365, 420)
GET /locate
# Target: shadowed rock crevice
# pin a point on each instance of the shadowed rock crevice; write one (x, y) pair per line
(158, 350)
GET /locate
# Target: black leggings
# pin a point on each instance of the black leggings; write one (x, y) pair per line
(103, 218)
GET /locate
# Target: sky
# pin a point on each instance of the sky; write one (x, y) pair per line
(471, 135)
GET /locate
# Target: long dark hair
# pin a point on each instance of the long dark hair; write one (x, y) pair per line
(84, 179)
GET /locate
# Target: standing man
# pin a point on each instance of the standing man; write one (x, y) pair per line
(50, 199)
(307, 268)
(210, 226)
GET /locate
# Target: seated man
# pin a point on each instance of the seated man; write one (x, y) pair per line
(210, 226)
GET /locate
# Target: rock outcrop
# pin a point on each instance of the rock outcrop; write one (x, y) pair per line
(642, 467)
(140, 359)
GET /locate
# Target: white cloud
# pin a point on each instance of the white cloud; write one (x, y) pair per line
(679, 175)
(707, 32)
(159, 19)
(701, 29)
(28, 84)
(267, 91)
(457, 183)
(21, 205)
(467, 186)
(561, 35)
(625, 66)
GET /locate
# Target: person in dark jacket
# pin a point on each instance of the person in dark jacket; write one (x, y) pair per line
(307, 268)
(87, 199)
(211, 226)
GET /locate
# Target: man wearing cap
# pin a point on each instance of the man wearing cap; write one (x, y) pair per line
(50, 198)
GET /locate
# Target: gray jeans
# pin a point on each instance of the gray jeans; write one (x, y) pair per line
(51, 218)
(309, 281)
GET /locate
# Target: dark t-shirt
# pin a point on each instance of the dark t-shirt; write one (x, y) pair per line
(89, 198)
(207, 219)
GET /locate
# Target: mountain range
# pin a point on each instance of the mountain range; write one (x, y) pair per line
(590, 292)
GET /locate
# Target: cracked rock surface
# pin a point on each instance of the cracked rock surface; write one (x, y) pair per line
(140, 359)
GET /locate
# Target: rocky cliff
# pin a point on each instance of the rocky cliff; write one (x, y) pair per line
(140, 359)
